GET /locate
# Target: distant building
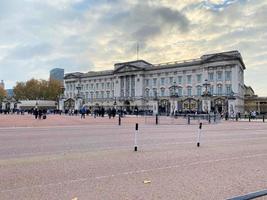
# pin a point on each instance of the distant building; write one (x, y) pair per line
(57, 74)
(2, 84)
(253, 102)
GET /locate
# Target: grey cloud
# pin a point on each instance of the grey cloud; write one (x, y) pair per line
(146, 31)
(70, 62)
(150, 19)
(30, 51)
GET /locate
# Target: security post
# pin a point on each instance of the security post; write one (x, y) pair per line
(157, 119)
(119, 119)
(135, 137)
(188, 120)
(199, 134)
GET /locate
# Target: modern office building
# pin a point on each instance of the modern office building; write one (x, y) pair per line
(211, 83)
(57, 74)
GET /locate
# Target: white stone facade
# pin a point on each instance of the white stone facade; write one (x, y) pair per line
(168, 87)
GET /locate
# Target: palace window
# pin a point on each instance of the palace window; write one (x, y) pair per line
(162, 81)
(211, 76)
(102, 94)
(219, 89)
(189, 91)
(199, 90)
(154, 82)
(228, 89)
(108, 94)
(171, 80)
(147, 93)
(228, 75)
(211, 89)
(154, 92)
(180, 79)
(97, 86)
(162, 92)
(219, 76)
(189, 79)
(147, 82)
(199, 78)
(180, 91)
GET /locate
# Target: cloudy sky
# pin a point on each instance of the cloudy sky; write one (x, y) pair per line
(83, 35)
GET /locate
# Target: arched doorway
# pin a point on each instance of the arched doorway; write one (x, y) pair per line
(164, 107)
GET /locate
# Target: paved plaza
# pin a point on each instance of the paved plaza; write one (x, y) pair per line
(66, 157)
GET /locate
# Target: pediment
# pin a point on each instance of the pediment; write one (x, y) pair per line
(72, 75)
(128, 68)
(220, 57)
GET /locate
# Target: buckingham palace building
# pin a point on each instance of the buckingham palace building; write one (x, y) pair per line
(211, 83)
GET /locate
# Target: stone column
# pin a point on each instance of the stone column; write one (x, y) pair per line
(125, 80)
(206, 105)
(232, 107)
(61, 104)
(155, 107)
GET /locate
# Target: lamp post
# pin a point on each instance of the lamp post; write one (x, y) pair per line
(157, 102)
(61, 98)
(78, 96)
(115, 103)
(206, 97)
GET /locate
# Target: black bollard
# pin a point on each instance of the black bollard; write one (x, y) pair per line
(199, 134)
(119, 120)
(249, 118)
(263, 118)
(157, 119)
(135, 137)
(236, 118)
(209, 119)
(188, 119)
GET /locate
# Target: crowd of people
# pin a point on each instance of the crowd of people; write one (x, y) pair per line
(41, 113)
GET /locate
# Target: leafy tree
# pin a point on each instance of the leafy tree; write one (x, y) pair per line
(37, 89)
(2, 94)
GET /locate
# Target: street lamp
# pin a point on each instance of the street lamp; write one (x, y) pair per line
(173, 90)
(206, 94)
